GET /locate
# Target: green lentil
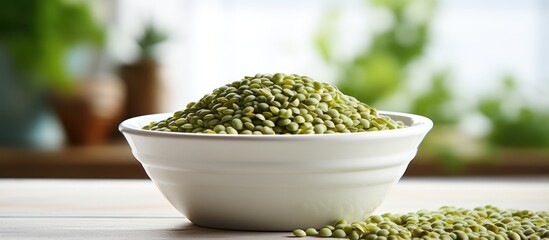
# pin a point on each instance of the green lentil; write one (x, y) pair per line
(311, 232)
(284, 113)
(237, 124)
(354, 235)
(325, 232)
(330, 227)
(292, 127)
(231, 130)
(339, 233)
(447, 223)
(299, 233)
(219, 128)
(276, 104)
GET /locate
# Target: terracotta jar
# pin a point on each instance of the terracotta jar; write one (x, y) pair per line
(142, 80)
(91, 112)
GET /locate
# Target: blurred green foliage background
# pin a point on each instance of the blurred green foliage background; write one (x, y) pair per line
(38, 34)
(378, 75)
(36, 37)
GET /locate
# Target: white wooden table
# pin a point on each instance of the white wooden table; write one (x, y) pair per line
(134, 209)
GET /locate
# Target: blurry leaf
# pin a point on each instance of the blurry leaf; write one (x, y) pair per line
(325, 32)
(509, 83)
(491, 107)
(526, 128)
(378, 70)
(37, 34)
(450, 160)
(434, 102)
(371, 78)
(396, 5)
(530, 129)
(150, 38)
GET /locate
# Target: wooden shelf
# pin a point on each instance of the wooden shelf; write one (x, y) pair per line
(505, 162)
(104, 161)
(115, 161)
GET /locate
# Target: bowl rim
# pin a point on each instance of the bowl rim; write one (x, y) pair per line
(420, 125)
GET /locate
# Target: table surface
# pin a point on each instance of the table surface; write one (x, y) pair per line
(135, 209)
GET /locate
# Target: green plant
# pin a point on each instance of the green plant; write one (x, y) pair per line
(434, 102)
(378, 70)
(150, 38)
(37, 35)
(514, 123)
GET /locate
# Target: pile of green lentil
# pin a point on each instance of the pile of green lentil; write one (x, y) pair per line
(447, 223)
(276, 104)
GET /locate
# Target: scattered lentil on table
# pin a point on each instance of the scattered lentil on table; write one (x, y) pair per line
(447, 223)
(276, 104)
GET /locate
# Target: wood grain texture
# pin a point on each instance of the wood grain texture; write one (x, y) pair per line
(134, 209)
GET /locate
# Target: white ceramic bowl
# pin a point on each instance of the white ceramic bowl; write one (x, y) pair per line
(275, 182)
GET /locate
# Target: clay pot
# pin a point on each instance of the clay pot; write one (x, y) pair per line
(91, 112)
(142, 80)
